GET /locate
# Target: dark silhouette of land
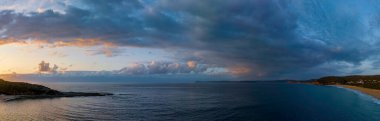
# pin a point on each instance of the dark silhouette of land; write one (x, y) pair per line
(365, 81)
(11, 91)
(368, 84)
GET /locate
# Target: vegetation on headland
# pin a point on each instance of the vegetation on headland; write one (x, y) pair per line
(370, 81)
(21, 90)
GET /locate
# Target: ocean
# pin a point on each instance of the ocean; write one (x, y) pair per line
(256, 101)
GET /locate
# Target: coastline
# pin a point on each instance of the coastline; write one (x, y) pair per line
(8, 98)
(372, 92)
(5, 98)
(12, 91)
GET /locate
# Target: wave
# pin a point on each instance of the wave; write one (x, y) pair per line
(361, 94)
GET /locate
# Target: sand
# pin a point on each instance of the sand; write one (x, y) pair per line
(372, 92)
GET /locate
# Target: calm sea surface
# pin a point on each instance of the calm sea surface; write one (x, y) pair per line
(199, 102)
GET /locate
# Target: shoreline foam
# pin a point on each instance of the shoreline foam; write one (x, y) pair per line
(371, 92)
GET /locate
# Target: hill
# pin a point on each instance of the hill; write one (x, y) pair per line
(21, 88)
(367, 81)
(11, 91)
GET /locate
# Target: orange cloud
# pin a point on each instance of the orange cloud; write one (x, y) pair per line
(77, 42)
(191, 64)
(5, 41)
(240, 70)
(81, 42)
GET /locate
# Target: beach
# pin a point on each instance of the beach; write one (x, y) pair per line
(372, 92)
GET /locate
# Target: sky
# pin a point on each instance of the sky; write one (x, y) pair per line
(190, 39)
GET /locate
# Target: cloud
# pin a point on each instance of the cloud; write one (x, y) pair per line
(57, 54)
(107, 51)
(7, 41)
(253, 39)
(191, 64)
(240, 70)
(45, 67)
(150, 68)
(160, 67)
(135, 69)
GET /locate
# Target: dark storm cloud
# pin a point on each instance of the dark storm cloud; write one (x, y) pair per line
(252, 38)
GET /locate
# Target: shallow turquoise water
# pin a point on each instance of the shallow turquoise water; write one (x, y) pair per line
(198, 102)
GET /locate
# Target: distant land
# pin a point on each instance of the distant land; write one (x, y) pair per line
(365, 81)
(243, 81)
(368, 84)
(11, 91)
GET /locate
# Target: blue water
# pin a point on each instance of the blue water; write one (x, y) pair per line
(199, 102)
